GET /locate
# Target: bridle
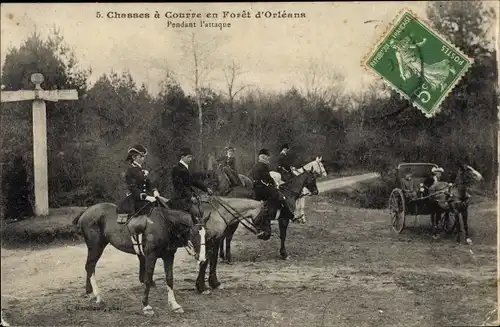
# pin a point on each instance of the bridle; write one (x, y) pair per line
(320, 168)
(300, 194)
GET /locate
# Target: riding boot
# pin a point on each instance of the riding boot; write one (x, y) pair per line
(265, 224)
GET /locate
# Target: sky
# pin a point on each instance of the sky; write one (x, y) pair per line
(273, 53)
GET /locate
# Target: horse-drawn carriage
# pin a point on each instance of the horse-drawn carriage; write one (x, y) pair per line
(409, 197)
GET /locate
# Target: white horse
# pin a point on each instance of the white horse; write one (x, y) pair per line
(318, 169)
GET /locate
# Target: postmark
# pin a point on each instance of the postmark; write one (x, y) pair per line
(417, 62)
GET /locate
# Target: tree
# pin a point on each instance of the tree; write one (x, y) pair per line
(472, 105)
(201, 66)
(321, 83)
(231, 73)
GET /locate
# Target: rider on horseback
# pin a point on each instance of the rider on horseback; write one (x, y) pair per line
(141, 190)
(265, 190)
(285, 167)
(228, 165)
(185, 198)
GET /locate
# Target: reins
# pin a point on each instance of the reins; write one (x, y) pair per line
(236, 215)
(297, 195)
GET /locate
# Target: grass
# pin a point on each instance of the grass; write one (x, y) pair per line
(56, 226)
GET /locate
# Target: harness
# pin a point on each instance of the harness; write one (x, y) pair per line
(233, 212)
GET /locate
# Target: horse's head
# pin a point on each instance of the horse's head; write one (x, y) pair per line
(316, 166)
(319, 169)
(197, 238)
(470, 174)
(310, 181)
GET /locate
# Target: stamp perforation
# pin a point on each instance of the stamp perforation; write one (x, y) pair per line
(386, 31)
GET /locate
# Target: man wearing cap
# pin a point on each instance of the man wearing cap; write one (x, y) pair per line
(284, 164)
(265, 190)
(184, 196)
(228, 164)
(141, 190)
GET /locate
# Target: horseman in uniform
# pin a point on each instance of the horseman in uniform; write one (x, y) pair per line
(285, 167)
(141, 190)
(184, 197)
(228, 166)
(265, 190)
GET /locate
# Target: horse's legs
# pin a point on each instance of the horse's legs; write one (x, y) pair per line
(435, 217)
(142, 268)
(212, 259)
(227, 240)
(283, 225)
(302, 204)
(466, 226)
(168, 264)
(200, 281)
(95, 248)
(221, 248)
(148, 278)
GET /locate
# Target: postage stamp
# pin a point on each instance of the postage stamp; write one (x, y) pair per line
(417, 62)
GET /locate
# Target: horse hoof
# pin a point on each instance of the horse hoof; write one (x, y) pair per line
(217, 286)
(435, 237)
(178, 310)
(148, 311)
(206, 292)
(284, 257)
(468, 241)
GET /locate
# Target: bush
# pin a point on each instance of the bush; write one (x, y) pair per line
(55, 227)
(373, 194)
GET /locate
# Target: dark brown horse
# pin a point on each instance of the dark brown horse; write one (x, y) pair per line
(292, 190)
(162, 233)
(453, 198)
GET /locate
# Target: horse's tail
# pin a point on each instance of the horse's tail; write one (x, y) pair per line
(75, 220)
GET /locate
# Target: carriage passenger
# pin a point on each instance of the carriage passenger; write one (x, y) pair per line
(408, 184)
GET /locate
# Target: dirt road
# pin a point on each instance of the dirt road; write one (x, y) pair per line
(347, 269)
(332, 184)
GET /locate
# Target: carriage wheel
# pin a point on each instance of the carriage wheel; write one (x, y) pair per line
(448, 222)
(397, 210)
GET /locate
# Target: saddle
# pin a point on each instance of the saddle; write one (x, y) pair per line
(126, 213)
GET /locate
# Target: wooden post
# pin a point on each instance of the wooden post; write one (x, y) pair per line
(39, 96)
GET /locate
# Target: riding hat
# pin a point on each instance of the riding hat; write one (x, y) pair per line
(264, 152)
(136, 149)
(185, 152)
(437, 169)
(285, 146)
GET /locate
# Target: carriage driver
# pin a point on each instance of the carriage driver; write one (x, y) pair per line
(140, 188)
(265, 190)
(435, 176)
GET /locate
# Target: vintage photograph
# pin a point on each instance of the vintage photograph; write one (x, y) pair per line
(249, 164)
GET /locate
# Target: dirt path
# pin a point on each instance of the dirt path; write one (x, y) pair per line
(346, 269)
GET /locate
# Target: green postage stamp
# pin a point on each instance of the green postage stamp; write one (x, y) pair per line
(418, 63)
